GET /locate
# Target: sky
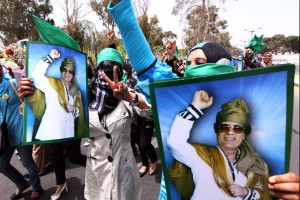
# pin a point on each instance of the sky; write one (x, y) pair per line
(268, 17)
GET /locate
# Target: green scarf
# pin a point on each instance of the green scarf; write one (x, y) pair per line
(207, 69)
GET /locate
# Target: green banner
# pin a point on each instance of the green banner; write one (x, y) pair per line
(52, 34)
(256, 45)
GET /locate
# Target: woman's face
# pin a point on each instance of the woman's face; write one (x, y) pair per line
(196, 57)
(67, 75)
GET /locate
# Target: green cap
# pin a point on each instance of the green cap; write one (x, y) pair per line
(110, 54)
(68, 63)
(234, 111)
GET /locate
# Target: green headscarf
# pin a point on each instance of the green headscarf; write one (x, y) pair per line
(110, 54)
(234, 111)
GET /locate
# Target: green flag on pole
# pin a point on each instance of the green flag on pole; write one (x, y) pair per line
(52, 34)
(256, 45)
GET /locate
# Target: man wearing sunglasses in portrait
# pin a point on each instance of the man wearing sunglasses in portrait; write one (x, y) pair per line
(61, 116)
(231, 170)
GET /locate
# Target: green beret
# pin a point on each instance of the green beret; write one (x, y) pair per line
(234, 111)
(68, 63)
(110, 54)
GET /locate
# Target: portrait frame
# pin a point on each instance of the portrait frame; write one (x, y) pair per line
(237, 65)
(268, 93)
(35, 51)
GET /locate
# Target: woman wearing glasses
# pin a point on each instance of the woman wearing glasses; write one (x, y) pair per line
(231, 170)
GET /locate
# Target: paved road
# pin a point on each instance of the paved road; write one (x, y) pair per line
(75, 180)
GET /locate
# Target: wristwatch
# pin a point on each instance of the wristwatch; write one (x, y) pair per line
(135, 101)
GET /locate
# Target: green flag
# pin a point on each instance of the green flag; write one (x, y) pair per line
(52, 34)
(256, 45)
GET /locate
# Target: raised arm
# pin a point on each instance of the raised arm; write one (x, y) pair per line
(180, 130)
(148, 68)
(137, 47)
(38, 73)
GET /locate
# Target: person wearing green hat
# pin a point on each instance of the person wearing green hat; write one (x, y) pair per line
(231, 170)
(111, 170)
(63, 104)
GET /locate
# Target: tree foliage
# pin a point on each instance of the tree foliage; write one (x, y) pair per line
(201, 28)
(100, 7)
(280, 44)
(16, 24)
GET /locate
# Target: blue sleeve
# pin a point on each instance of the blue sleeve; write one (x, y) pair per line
(137, 48)
(136, 45)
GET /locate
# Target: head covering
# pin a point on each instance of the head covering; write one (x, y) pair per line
(104, 101)
(234, 111)
(213, 51)
(219, 61)
(69, 64)
(110, 54)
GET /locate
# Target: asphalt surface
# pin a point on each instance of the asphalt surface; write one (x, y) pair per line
(75, 181)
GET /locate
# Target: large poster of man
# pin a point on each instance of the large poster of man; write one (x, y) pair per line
(58, 108)
(222, 136)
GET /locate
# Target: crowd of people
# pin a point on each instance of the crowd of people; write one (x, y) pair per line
(121, 125)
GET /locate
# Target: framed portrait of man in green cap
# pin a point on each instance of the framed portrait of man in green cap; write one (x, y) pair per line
(222, 136)
(58, 108)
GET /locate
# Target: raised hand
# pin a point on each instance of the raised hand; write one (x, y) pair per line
(171, 47)
(120, 90)
(111, 36)
(114, 2)
(202, 100)
(54, 54)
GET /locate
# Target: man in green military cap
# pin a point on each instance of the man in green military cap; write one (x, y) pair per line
(231, 170)
(60, 109)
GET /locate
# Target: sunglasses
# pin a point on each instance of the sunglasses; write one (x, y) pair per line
(225, 128)
(67, 70)
(109, 64)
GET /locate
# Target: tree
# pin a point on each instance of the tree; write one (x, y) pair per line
(101, 10)
(279, 44)
(16, 24)
(184, 7)
(195, 31)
